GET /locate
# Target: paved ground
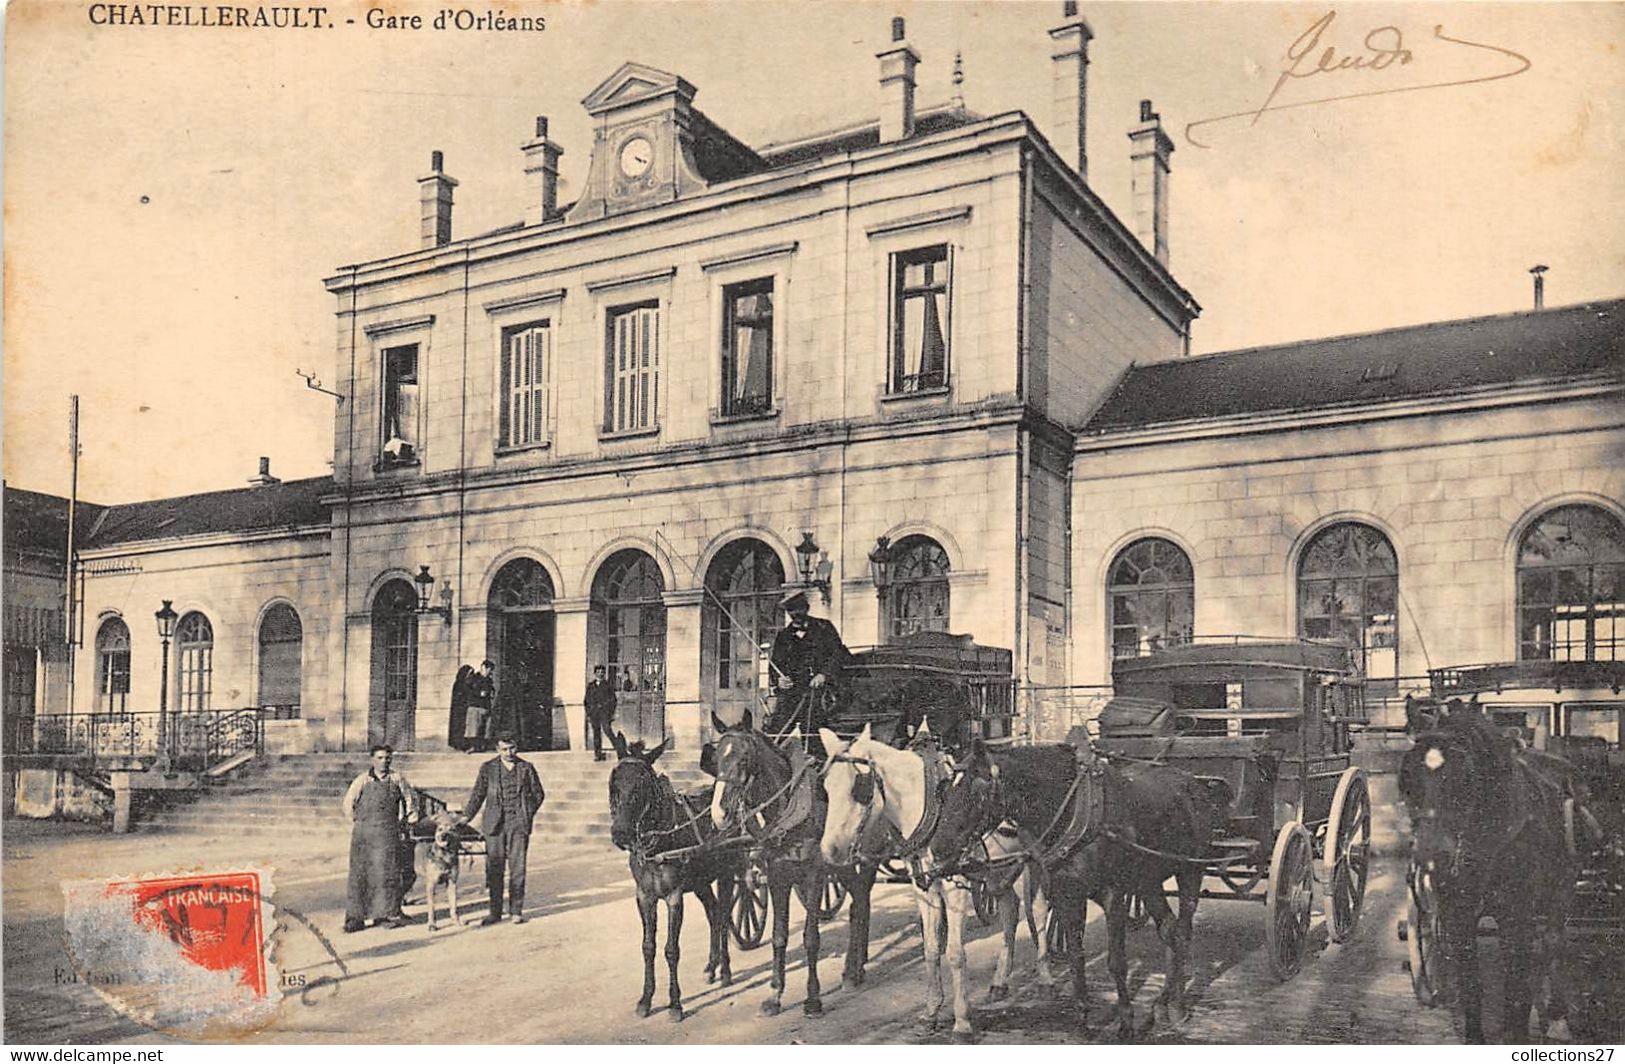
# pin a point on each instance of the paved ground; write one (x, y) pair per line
(573, 972)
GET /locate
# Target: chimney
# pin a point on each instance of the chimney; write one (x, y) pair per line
(1069, 54)
(264, 479)
(541, 175)
(1149, 168)
(1540, 286)
(897, 65)
(436, 189)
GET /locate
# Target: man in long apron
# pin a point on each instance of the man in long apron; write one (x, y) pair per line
(377, 802)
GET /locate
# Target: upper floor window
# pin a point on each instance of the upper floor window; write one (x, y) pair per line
(1153, 593)
(400, 430)
(113, 666)
(919, 320)
(632, 369)
(917, 599)
(194, 675)
(747, 348)
(1348, 591)
(1571, 586)
(527, 374)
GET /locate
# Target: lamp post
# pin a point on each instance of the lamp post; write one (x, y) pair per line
(880, 562)
(816, 568)
(425, 586)
(166, 617)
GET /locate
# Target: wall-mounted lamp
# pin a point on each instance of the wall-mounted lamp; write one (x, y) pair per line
(425, 583)
(880, 560)
(816, 568)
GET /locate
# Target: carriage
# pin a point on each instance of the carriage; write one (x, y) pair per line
(893, 689)
(1272, 718)
(1570, 708)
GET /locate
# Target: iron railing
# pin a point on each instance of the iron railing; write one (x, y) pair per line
(192, 739)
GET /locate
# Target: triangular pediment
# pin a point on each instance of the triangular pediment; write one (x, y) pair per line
(634, 81)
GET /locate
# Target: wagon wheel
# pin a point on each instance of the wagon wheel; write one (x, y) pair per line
(1346, 862)
(829, 903)
(1289, 899)
(748, 918)
(1425, 958)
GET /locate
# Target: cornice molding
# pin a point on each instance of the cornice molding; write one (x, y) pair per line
(536, 299)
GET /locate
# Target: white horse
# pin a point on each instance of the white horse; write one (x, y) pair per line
(867, 778)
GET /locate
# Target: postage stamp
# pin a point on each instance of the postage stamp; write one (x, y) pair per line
(188, 953)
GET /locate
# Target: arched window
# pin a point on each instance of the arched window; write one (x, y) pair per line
(282, 641)
(917, 600)
(194, 648)
(741, 614)
(1153, 596)
(1348, 591)
(519, 639)
(113, 666)
(1571, 586)
(392, 708)
(629, 612)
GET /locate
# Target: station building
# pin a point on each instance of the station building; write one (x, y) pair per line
(915, 365)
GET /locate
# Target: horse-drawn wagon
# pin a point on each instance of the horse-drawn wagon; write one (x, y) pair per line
(1272, 719)
(1571, 709)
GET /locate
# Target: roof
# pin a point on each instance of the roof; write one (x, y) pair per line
(290, 504)
(1423, 360)
(37, 523)
(859, 138)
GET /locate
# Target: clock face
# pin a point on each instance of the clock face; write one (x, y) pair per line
(637, 155)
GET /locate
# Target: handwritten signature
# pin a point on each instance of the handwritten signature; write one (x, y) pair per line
(1384, 49)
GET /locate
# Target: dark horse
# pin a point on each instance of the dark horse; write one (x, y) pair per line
(650, 819)
(1489, 839)
(1149, 823)
(777, 797)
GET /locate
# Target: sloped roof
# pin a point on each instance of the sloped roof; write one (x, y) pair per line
(859, 138)
(291, 504)
(37, 523)
(1422, 360)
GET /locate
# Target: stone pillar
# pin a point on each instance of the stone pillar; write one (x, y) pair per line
(570, 666)
(122, 802)
(685, 715)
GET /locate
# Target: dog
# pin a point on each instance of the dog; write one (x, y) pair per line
(438, 863)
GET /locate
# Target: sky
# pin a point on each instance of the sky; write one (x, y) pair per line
(174, 196)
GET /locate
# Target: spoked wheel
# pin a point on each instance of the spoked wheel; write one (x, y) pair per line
(1346, 862)
(830, 902)
(1420, 930)
(1290, 897)
(748, 919)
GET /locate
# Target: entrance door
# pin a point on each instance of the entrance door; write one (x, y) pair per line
(392, 709)
(630, 611)
(519, 640)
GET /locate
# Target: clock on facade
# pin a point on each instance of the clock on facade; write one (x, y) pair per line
(637, 155)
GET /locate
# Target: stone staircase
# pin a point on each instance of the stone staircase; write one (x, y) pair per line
(299, 795)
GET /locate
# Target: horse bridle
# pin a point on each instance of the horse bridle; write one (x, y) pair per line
(866, 786)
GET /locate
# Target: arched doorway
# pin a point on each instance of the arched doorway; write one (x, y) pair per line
(392, 708)
(740, 615)
(629, 638)
(519, 641)
(282, 640)
(917, 600)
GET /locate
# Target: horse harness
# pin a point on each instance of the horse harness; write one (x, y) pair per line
(643, 842)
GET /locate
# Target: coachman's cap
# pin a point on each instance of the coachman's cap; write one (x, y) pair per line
(792, 598)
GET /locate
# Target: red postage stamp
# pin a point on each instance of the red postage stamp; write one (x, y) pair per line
(189, 952)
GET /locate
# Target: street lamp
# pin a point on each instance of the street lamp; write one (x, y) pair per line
(166, 617)
(880, 560)
(816, 568)
(425, 584)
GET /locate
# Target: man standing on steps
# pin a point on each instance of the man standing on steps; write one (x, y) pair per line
(376, 802)
(511, 793)
(600, 706)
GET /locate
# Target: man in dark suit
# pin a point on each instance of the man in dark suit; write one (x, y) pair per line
(511, 793)
(600, 705)
(807, 661)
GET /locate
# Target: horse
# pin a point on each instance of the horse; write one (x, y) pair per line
(775, 796)
(1109, 833)
(945, 825)
(650, 819)
(1490, 837)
